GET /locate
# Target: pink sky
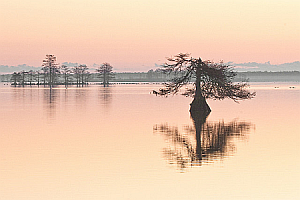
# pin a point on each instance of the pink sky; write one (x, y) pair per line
(137, 34)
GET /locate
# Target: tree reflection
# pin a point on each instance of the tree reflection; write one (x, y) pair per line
(204, 142)
(105, 95)
(50, 101)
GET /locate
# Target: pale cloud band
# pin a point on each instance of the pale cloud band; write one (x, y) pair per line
(240, 67)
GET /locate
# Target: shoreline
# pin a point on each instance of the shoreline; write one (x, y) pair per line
(142, 77)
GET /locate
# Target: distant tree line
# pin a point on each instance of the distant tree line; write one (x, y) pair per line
(52, 74)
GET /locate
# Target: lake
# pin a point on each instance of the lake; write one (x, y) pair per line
(121, 142)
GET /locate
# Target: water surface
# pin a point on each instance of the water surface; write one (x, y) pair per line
(121, 142)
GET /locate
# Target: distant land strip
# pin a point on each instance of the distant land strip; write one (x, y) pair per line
(293, 76)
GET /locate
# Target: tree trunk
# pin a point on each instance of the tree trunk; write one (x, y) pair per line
(104, 78)
(50, 76)
(66, 80)
(38, 79)
(44, 79)
(199, 106)
(199, 119)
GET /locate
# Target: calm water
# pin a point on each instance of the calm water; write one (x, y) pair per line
(122, 142)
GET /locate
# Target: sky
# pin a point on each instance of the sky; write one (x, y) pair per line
(138, 34)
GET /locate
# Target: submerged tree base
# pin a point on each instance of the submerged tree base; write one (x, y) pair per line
(199, 108)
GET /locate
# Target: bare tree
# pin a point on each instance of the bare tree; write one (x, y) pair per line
(76, 71)
(66, 71)
(211, 80)
(31, 76)
(80, 73)
(15, 78)
(105, 73)
(38, 77)
(45, 72)
(83, 73)
(23, 77)
(51, 67)
(87, 77)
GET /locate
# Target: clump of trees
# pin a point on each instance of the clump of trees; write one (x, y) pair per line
(51, 69)
(16, 78)
(105, 73)
(52, 74)
(66, 73)
(210, 81)
(81, 74)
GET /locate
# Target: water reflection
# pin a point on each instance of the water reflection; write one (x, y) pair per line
(81, 97)
(105, 96)
(203, 142)
(50, 101)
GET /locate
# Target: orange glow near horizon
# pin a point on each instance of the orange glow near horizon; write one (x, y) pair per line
(139, 34)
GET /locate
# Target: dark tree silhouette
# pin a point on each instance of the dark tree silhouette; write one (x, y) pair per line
(15, 78)
(31, 74)
(66, 72)
(45, 72)
(211, 80)
(76, 71)
(105, 73)
(81, 74)
(51, 68)
(87, 77)
(23, 77)
(38, 77)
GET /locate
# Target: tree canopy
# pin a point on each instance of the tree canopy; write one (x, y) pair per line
(50, 68)
(105, 73)
(211, 80)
